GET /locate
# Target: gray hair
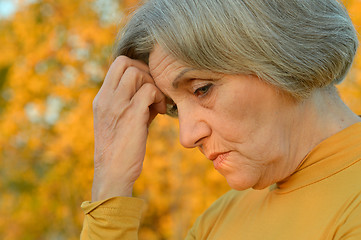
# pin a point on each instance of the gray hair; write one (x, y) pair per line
(295, 45)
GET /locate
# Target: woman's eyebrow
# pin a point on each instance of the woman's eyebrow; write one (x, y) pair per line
(178, 79)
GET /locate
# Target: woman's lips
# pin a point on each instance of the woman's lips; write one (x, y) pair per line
(217, 162)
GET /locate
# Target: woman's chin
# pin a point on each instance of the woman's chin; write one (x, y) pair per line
(240, 183)
(240, 178)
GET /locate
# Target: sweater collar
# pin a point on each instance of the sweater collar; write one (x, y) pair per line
(329, 157)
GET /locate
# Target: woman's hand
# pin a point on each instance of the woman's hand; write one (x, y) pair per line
(123, 109)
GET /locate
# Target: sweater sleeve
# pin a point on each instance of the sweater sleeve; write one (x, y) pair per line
(114, 218)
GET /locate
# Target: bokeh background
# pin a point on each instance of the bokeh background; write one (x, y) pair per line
(54, 55)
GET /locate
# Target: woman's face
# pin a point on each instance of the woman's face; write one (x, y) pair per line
(239, 122)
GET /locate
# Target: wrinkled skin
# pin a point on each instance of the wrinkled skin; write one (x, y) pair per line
(255, 134)
(123, 109)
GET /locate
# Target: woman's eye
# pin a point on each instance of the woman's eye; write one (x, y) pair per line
(172, 109)
(202, 90)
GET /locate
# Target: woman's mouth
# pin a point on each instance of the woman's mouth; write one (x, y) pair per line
(217, 162)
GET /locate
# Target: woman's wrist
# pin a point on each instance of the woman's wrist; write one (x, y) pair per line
(112, 190)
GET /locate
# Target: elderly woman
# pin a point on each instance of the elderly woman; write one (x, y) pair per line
(252, 83)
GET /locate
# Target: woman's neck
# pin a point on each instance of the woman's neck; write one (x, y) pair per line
(323, 115)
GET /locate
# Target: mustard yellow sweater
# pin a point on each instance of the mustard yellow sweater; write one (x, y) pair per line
(320, 200)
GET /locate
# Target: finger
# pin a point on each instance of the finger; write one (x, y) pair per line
(152, 115)
(155, 109)
(147, 96)
(118, 68)
(132, 79)
(161, 106)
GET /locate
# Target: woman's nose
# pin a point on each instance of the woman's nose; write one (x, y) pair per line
(193, 129)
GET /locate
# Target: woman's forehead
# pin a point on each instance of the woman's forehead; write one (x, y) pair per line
(166, 69)
(160, 63)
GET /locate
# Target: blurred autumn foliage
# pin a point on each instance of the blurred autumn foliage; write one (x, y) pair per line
(53, 57)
